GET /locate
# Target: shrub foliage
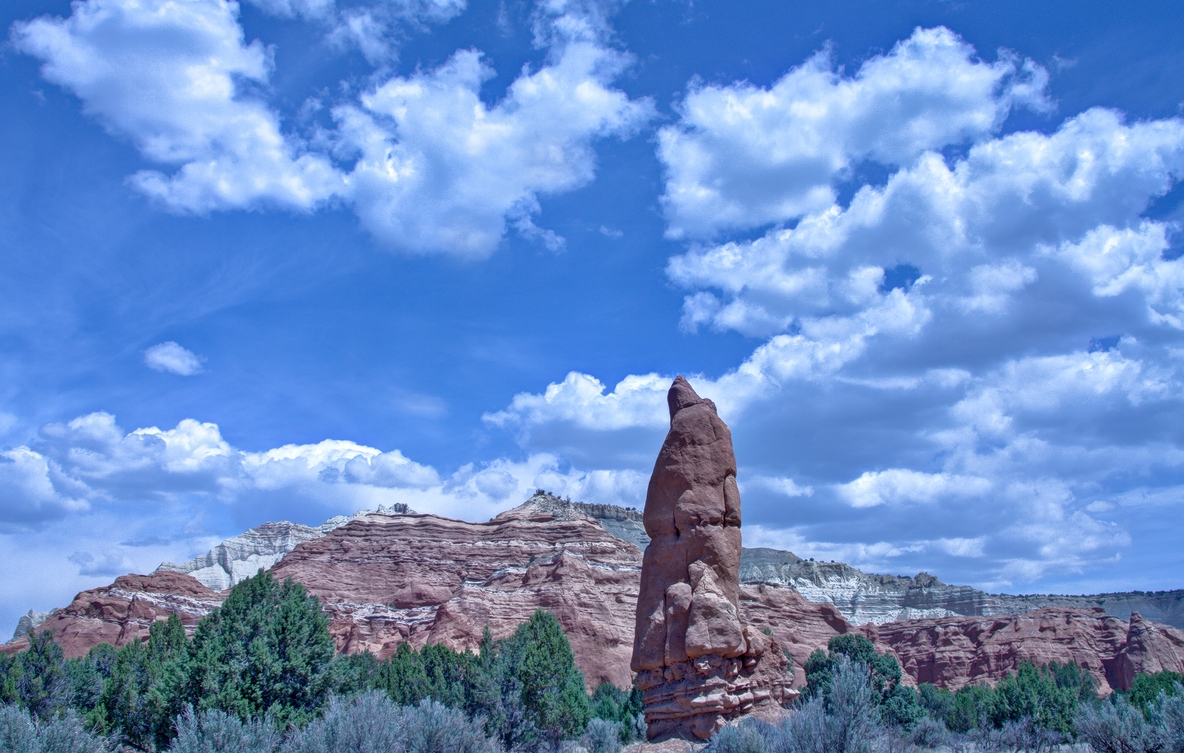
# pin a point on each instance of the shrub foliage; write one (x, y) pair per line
(259, 676)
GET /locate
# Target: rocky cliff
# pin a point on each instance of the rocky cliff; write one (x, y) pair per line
(385, 578)
(241, 557)
(868, 598)
(124, 611)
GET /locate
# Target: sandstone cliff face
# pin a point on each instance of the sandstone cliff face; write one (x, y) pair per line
(124, 611)
(388, 579)
(698, 663)
(242, 556)
(954, 652)
(865, 597)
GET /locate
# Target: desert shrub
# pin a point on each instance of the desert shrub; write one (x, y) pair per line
(929, 732)
(1024, 734)
(937, 702)
(215, 731)
(1167, 715)
(615, 705)
(435, 672)
(971, 709)
(552, 686)
(368, 722)
(138, 697)
(803, 731)
(353, 673)
(852, 708)
(528, 687)
(265, 651)
(1116, 726)
(18, 734)
(901, 707)
(35, 678)
(602, 736)
(1046, 696)
(744, 737)
(848, 720)
(371, 723)
(432, 727)
(63, 733)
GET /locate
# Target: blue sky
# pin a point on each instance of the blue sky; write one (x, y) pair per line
(292, 258)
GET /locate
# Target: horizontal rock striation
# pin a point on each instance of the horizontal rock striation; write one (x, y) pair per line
(242, 556)
(877, 599)
(955, 652)
(387, 579)
(125, 611)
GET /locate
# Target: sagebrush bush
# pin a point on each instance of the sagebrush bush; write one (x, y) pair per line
(1116, 727)
(1026, 735)
(847, 721)
(214, 731)
(372, 723)
(805, 731)
(434, 728)
(853, 709)
(17, 732)
(602, 736)
(1169, 717)
(364, 723)
(744, 737)
(929, 733)
(64, 733)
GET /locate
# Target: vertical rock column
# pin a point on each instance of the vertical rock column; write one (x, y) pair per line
(697, 664)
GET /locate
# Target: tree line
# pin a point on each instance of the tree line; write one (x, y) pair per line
(263, 664)
(855, 702)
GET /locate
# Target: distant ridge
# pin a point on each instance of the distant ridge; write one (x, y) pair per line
(240, 557)
(860, 597)
(871, 598)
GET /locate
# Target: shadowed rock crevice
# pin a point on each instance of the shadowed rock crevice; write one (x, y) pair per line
(697, 664)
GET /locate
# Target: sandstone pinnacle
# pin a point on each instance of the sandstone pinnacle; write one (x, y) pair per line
(698, 664)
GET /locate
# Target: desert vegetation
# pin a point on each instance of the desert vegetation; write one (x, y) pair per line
(854, 702)
(259, 675)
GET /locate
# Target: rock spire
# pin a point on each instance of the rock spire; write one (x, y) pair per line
(698, 665)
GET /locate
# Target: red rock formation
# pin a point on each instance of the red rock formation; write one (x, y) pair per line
(420, 578)
(952, 652)
(125, 610)
(385, 579)
(698, 665)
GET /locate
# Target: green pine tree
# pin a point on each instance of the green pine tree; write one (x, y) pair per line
(553, 691)
(265, 651)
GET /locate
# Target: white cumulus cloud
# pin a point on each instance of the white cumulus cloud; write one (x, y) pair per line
(171, 357)
(175, 78)
(431, 167)
(743, 156)
(440, 171)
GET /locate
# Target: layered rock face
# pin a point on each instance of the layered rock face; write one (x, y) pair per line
(389, 579)
(125, 611)
(386, 578)
(955, 652)
(697, 663)
(240, 557)
(867, 597)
